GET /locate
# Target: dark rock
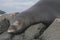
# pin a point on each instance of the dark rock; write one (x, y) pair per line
(4, 24)
(5, 21)
(2, 12)
(52, 32)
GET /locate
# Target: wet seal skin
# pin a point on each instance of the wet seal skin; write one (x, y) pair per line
(42, 12)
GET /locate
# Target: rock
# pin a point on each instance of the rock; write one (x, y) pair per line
(8, 16)
(5, 21)
(2, 12)
(31, 32)
(5, 36)
(4, 24)
(34, 31)
(19, 37)
(52, 32)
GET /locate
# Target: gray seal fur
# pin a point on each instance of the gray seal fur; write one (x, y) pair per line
(42, 12)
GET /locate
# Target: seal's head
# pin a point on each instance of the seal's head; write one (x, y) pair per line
(16, 27)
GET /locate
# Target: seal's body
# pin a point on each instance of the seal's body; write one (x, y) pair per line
(42, 12)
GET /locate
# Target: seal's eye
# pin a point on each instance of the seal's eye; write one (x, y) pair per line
(16, 23)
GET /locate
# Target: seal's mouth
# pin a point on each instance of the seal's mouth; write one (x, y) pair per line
(11, 31)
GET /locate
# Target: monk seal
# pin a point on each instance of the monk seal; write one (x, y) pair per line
(42, 12)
